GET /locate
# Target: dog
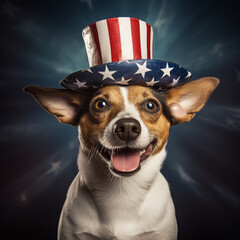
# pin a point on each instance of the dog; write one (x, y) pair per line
(119, 191)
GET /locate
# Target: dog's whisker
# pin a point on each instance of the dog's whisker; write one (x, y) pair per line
(90, 154)
(93, 152)
(109, 176)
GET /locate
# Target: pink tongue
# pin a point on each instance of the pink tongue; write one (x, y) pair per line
(126, 161)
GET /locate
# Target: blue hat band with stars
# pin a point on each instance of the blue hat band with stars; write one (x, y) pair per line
(145, 72)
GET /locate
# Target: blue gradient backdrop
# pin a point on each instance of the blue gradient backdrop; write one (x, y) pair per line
(41, 43)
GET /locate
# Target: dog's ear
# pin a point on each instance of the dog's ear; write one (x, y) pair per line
(184, 101)
(63, 103)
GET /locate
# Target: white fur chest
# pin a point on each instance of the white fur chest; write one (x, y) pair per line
(121, 208)
(132, 209)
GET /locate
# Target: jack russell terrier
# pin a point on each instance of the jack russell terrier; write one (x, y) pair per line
(119, 191)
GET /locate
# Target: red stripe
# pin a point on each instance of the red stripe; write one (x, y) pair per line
(115, 40)
(135, 28)
(148, 41)
(98, 55)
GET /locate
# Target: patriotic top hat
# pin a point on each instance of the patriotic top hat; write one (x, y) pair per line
(119, 52)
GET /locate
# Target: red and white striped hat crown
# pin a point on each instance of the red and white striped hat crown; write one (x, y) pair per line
(117, 39)
(119, 52)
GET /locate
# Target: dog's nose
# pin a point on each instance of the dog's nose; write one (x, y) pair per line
(127, 129)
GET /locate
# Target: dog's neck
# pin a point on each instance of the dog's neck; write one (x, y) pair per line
(95, 174)
(123, 196)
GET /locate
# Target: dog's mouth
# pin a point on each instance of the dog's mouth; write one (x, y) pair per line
(126, 161)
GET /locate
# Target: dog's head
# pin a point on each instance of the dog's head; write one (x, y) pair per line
(125, 125)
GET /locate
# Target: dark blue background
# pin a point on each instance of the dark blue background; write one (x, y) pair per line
(41, 43)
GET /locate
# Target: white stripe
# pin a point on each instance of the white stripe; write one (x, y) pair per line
(89, 41)
(143, 39)
(104, 41)
(126, 38)
(151, 44)
(131, 111)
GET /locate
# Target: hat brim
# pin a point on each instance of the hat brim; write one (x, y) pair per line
(146, 72)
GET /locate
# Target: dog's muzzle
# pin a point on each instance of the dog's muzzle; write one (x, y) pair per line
(126, 160)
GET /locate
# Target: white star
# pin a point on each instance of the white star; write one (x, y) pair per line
(107, 74)
(175, 81)
(166, 70)
(80, 84)
(124, 81)
(126, 61)
(188, 74)
(142, 69)
(151, 83)
(87, 70)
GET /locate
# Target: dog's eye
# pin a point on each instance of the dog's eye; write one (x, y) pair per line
(100, 105)
(151, 106)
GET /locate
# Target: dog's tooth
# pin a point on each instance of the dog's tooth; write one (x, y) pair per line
(143, 151)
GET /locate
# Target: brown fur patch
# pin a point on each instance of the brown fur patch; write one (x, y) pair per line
(157, 123)
(93, 123)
